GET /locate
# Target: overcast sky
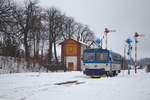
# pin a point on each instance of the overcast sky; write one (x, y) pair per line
(125, 16)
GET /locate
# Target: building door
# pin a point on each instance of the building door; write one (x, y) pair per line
(70, 66)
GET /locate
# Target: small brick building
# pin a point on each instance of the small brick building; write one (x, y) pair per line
(71, 52)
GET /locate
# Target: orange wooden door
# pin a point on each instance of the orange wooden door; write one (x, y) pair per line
(70, 66)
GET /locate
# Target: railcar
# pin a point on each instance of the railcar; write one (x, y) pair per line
(101, 62)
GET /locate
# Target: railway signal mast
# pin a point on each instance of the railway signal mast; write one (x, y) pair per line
(136, 35)
(98, 41)
(106, 32)
(129, 41)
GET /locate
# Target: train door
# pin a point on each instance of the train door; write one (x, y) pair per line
(111, 65)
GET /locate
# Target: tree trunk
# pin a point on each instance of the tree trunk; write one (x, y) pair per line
(50, 52)
(55, 52)
(26, 47)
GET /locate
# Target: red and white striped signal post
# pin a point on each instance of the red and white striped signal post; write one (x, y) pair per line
(106, 32)
(135, 37)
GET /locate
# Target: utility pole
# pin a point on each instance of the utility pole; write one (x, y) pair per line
(106, 32)
(136, 35)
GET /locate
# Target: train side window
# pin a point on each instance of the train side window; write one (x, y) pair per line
(116, 58)
(101, 56)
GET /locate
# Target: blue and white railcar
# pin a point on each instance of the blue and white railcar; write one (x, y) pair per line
(101, 62)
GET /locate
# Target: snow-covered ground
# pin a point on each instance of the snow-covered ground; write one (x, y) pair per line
(35, 86)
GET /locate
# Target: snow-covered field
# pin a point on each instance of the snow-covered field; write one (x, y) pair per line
(35, 86)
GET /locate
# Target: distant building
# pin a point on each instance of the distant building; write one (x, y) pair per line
(124, 63)
(71, 52)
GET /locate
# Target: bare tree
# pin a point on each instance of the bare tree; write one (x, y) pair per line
(85, 34)
(68, 28)
(5, 13)
(24, 17)
(54, 27)
(8, 28)
(36, 30)
(31, 26)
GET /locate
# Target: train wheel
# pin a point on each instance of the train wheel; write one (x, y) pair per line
(114, 73)
(110, 74)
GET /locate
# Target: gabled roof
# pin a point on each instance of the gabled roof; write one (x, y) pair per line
(73, 40)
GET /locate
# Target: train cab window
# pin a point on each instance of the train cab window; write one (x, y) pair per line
(101, 56)
(116, 58)
(89, 56)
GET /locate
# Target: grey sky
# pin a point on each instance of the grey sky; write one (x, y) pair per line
(125, 16)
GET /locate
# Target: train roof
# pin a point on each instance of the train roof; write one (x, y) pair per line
(114, 53)
(101, 50)
(96, 49)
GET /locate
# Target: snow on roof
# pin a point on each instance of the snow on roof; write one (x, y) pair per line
(76, 41)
